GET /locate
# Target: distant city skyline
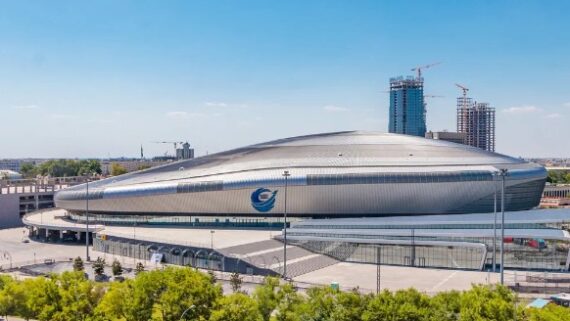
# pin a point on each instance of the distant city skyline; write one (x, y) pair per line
(80, 80)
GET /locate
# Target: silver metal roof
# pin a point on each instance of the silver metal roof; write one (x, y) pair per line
(340, 151)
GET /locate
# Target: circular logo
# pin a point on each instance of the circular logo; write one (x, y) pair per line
(263, 199)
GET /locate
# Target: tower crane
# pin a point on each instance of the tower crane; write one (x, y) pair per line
(173, 143)
(418, 69)
(465, 90)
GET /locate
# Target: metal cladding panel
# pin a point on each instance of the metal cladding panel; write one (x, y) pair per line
(318, 200)
(345, 173)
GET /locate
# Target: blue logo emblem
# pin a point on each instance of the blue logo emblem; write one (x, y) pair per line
(263, 199)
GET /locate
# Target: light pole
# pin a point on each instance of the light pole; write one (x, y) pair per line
(136, 249)
(87, 221)
(495, 223)
(504, 172)
(212, 239)
(286, 175)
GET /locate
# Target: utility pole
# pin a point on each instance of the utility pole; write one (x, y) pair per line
(87, 259)
(286, 175)
(504, 172)
(378, 261)
(495, 224)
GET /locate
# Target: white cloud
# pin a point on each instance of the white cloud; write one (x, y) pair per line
(185, 114)
(553, 116)
(334, 109)
(219, 104)
(25, 107)
(566, 104)
(216, 104)
(176, 114)
(522, 110)
(62, 116)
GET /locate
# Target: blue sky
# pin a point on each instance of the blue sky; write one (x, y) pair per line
(97, 79)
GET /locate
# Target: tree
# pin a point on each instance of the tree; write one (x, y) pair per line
(114, 304)
(88, 167)
(99, 266)
(79, 297)
(183, 288)
(117, 169)
(7, 304)
(290, 302)
(236, 307)
(28, 170)
(236, 281)
(488, 303)
(266, 296)
(78, 264)
(139, 268)
(117, 268)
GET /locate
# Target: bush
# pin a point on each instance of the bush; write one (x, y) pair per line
(117, 268)
(78, 264)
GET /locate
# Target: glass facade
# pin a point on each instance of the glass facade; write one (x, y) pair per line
(407, 108)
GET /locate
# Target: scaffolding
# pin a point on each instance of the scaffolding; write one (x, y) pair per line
(477, 122)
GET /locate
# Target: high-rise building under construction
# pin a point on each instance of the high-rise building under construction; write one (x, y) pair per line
(407, 108)
(477, 122)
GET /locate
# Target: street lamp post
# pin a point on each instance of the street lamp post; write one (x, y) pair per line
(87, 221)
(286, 175)
(495, 224)
(504, 172)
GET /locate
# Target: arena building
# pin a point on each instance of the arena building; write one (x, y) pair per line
(343, 174)
(354, 196)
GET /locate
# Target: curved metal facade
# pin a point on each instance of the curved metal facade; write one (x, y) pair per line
(334, 174)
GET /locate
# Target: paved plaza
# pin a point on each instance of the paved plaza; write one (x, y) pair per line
(348, 275)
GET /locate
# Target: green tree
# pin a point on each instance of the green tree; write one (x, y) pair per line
(266, 296)
(88, 167)
(551, 312)
(99, 266)
(290, 303)
(117, 169)
(78, 264)
(117, 268)
(236, 307)
(236, 281)
(409, 305)
(7, 304)
(183, 288)
(115, 303)
(79, 297)
(488, 303)
(28, 170)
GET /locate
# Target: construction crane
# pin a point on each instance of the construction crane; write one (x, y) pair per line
(173, 143)
(433, 96)
(419, 68)
(465, 90)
